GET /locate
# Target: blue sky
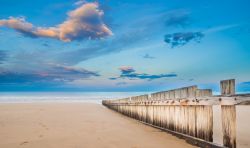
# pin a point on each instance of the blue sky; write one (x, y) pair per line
(118, 45)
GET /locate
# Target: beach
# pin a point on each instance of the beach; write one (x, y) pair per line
(76, 125)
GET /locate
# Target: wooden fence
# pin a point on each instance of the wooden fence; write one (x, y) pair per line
(187, 112)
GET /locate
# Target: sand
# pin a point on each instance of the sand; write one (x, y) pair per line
(76, 125)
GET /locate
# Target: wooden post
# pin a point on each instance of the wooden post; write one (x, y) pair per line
(204, 93)
(229, 125)
(228, 115)
(227, 87)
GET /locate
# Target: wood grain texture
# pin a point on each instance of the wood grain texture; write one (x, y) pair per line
(229, 125)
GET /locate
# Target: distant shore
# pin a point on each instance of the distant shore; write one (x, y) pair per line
(76, 125)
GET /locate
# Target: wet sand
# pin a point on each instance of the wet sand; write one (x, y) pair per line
(76, 125)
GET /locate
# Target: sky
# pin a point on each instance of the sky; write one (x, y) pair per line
(123, 45)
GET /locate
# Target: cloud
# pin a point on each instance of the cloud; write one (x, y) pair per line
(54, 74)
(245, 83)
(129, 72)
(178, 18)
(126, 69)
(3, 56)
(80, 2)
(73, 71)
(147, 56)
(46, 45)
(182, 38)
(147, 76)
(220, 28)
(85, 22)
(112, 78)
(7, 77)
(163, 20)
(121, 83)
(191, 79)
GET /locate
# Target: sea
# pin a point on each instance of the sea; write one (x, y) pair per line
(93, 97)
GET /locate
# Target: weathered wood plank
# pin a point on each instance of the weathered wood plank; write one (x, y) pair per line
(229, 125)
(227, 87)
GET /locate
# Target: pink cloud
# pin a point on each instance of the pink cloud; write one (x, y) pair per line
(127, 69)
(85, 22)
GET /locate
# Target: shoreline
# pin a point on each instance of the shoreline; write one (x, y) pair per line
(52, 101)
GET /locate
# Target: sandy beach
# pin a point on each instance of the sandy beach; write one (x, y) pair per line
(76, 125)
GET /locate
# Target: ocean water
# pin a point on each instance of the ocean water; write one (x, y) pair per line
(95, 97)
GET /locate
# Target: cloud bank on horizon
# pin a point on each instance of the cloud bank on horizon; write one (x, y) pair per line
(130, 73)
(54, 75)
(85, 22)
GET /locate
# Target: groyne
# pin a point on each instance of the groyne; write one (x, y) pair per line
(191, 113)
